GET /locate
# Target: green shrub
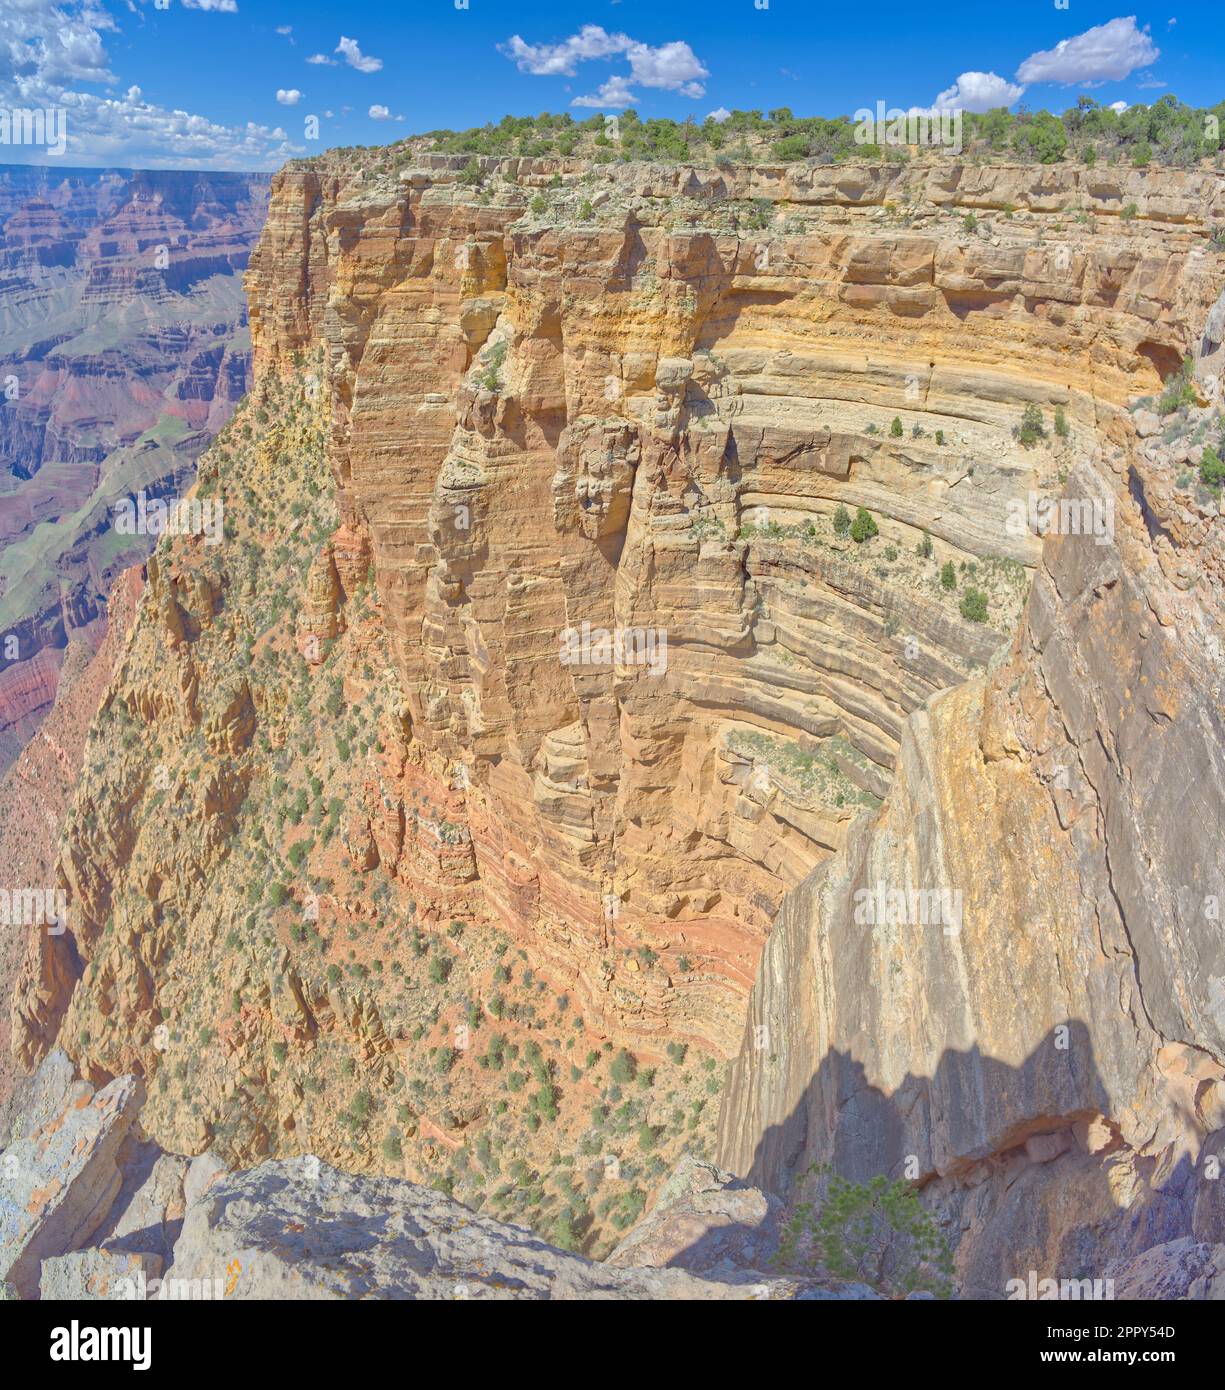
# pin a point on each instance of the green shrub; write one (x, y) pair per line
(842, 521)
(948, 575)
(924, 547)
(895, 429)
(1179, 390)
(877, 1232)
(623, 1068)
(1061, 423)
(864, 526)
(974, 606)
(1212, 470)
(1032, 428)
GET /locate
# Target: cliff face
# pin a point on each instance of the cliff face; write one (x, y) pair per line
(1050, 1064)
(382, 848)
(639, 405)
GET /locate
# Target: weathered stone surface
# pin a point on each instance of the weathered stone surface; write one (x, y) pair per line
(1178, 1269)
(703, 1220)
(299, 1229)
(97, 1274)
(1048, 1064)
(64, 1179)
(40, 1097)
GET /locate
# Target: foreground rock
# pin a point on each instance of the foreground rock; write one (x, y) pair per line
(61, 1180)
(92, 1210)
(296, 1228)
(704, 1219)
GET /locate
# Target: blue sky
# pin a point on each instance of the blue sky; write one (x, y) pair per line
(230, 83)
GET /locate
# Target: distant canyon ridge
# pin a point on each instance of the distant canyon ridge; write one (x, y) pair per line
(123, 349)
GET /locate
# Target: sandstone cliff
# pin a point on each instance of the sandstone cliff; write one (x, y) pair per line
(639, 402)
(380, 855)
(1049, 1067)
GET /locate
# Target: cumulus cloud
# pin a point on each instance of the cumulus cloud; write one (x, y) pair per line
(290, 97)
(719, 115)
(379, 113)
(978, 91)
(562, 59)
(352, 54)
(284, 30)
(669, 67)
(614, 91)
(1118, 106)
(322, 60)
(51, 49)
(1106, 53)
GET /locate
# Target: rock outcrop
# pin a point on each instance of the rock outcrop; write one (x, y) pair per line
(72, 1226)
(1048, 1059)
(620, 560)
(638, 404)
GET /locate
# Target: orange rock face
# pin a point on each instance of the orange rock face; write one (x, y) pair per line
(597, 449)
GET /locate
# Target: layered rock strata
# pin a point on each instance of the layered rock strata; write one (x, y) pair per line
(638, 403)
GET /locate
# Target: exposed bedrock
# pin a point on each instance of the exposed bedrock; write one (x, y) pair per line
(1046, 1058)
(638, 409)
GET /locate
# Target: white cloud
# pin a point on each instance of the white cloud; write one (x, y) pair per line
(978, 91)
(1106, 53)
(284, 30)
(288, 98)
(51, 49)
(216, 6)
(614, 91)
(719, 115)
(670, 67)
(352, 54)
(379, 113)
(322, 60)
(1118, 106)
(558, 59)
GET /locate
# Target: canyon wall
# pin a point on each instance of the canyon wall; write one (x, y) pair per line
(624, 566)
(692, 370)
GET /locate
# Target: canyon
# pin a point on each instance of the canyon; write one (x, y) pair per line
(370, 860)
(123, 348)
